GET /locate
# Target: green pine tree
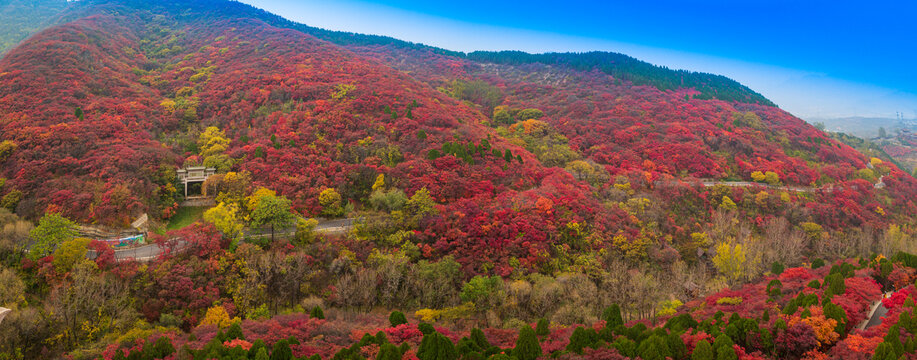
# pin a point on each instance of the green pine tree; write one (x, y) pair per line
(397, 318)
(234, 332)
(702, 351)
(541, 329)
(261, 354)
(317, 313)
(388, 352)
(282, 351)
(527, 345)
(578, 341)
(612, 316)
(653, 348)
(480, 339)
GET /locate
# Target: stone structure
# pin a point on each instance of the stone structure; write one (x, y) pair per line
(194, 174)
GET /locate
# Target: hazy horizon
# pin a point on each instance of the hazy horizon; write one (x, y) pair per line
(805, 83)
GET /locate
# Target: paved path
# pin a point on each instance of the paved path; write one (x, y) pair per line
(875, 313)
(793, 188)
(152, 251)
(324, 226)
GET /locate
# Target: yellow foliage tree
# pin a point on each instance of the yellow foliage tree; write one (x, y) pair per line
(727, 204)
(252, 200)
(218, 316)
(761, 198)
(380, 182)
(69, 253)
(772, 178)
(730, 260)
(226, 218)
(212, 141)
(330, 200)
(758, 176)
(633, 249)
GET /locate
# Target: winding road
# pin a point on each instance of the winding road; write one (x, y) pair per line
(875, 313)
(149, 252)
(806, 189)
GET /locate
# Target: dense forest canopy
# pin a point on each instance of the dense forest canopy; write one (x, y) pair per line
(375, 198)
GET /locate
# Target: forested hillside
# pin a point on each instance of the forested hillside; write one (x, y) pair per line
(485, 190)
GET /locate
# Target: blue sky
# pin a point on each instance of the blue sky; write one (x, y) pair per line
(813, 58)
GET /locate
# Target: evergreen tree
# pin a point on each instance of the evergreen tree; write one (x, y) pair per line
(702, 351)
(893, 338)
(261, 354)
(234, 332)
(884, 351)
(541, 329)
(776, 268)
(625, 347)
(612, 316)
(436, 346)
(835, 312)
(479, 338)
(397, 318)
(676, 346)
(282, 351)
(653, 348)
(388, 352)
(578, 341)
(723, 345)
(257, 346)
(317, 313)
(527, 345)
(162, 348)
(425, 328)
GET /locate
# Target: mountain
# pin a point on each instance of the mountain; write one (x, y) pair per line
(489, 187)
(866, 128)
(303, 114)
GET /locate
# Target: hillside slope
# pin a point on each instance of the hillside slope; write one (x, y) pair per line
(501, 141)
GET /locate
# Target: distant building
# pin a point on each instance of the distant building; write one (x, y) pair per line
(194, 175)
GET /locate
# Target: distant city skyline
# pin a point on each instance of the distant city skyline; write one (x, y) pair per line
(815, 59)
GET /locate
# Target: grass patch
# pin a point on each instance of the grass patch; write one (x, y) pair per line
(186, 216)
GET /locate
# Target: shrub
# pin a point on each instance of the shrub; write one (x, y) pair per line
(733, 300)
(815, 284)
(817, 263)
(397, 318)
(317, 313)
(774, 288)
